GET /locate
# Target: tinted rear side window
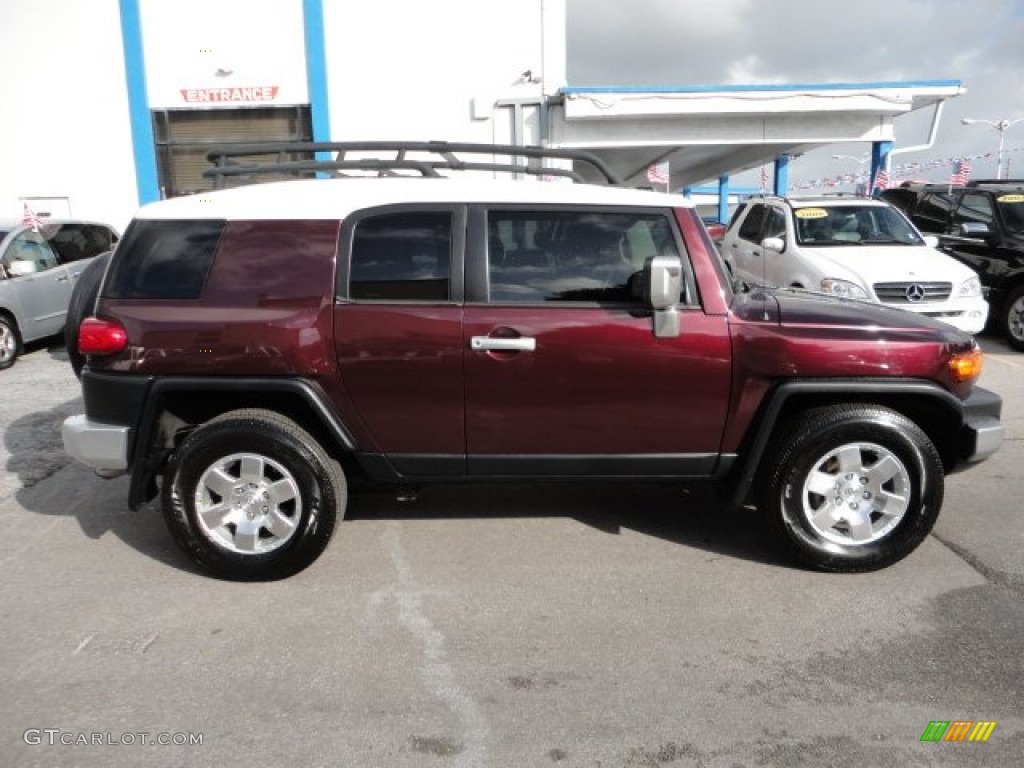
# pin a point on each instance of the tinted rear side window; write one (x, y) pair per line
(163, 260)
(402, 257)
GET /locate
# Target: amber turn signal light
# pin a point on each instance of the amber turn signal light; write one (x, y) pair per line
(966, 366)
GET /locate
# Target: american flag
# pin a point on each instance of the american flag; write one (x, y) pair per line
(881, 179)
(658, 173)
(961, 171)
(29, 218)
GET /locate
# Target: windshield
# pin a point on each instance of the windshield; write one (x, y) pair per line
(1011, 206)
(843, 225)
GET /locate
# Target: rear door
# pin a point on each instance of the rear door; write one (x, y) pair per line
(398, 334)
(564, 375)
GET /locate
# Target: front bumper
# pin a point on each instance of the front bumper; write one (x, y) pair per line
(967, 315)
(104, 447)
(982, 433)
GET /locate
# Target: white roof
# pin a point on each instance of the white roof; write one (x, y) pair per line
(337, 198)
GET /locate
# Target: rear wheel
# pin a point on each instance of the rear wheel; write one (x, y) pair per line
(852, 488)
(1013, 318)
(9, 342)
(250, 495)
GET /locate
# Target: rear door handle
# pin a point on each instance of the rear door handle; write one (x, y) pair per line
(490, 344)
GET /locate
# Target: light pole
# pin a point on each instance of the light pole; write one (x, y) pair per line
(860, 170)
(1001, 126)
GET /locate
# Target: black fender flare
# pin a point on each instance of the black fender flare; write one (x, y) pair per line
(142, 488)
(742, 471)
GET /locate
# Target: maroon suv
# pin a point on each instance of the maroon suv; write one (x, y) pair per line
(255, 350)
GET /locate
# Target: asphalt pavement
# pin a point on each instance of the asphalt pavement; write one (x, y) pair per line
(605, 625)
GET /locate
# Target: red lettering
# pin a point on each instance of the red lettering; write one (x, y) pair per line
(220, 95)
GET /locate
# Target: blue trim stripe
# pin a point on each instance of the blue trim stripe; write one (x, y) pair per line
(316, 68)
(146, 180)
(766, 87)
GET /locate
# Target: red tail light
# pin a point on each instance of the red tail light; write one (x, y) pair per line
(101, 337)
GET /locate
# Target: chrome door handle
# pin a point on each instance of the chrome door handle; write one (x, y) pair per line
(489, 344)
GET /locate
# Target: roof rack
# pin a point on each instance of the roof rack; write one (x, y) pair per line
(428, 159)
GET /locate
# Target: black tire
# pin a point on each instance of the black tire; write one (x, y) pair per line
(10, 342)
(83, 303)
(277, 454)
(865, 515)
(1012, 318)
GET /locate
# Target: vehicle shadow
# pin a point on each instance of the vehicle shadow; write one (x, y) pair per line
(691, 516)
(35, 453)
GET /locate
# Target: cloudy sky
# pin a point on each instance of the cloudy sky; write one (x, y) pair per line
(707, 42)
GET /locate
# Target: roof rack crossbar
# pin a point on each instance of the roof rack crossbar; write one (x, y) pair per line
(230, 161)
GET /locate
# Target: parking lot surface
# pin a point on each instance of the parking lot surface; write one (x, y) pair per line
(593, 625)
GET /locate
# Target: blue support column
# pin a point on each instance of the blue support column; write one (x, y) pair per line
(781, 181)
(880, 151)
(316, 71)
(723, 199)
(147, 181)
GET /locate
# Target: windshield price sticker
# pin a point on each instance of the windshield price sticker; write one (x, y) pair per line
(810, 213)
(1016, 198)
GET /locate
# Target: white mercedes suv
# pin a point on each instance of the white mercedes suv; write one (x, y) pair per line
(853, 247)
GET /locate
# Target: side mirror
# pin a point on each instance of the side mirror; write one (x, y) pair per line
(931, 241)
(664, 282)
(975, 229)
(21, 267)
(776, 244)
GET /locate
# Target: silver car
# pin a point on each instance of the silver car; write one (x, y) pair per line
(38, 268)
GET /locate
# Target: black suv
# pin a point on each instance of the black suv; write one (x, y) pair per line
(982, 225)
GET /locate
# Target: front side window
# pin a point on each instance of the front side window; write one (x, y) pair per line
(775, 226)
(28, 253)
(974, 208)
(573, 256)
(402, 257)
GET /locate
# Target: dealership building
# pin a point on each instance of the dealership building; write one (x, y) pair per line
(129, 95)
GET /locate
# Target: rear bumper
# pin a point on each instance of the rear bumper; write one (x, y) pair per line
(104, 447)
(982, 431)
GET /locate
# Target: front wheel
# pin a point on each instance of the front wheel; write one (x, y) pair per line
(1013, 318)
(250, 495)
(852, 488)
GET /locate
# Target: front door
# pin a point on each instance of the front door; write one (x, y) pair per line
(564, 375)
